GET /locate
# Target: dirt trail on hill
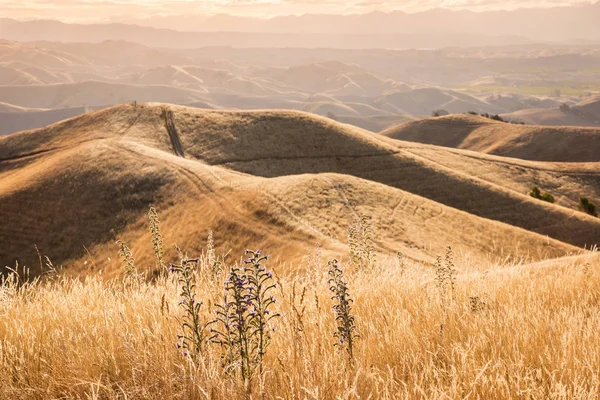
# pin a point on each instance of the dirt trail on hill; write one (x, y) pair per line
(173, 134)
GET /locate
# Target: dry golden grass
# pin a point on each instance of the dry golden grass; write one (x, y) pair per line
(527, 142)
(286, 180)
(585, 113)
(551, 117)
(533, 336)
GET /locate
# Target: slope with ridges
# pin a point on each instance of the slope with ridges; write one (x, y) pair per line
(255, 178)
(255, 145)
(272, 143)
(589, 107)
(11, 51)
(564, 144)
(585, 113)
(549, 117)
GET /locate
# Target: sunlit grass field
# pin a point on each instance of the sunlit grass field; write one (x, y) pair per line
(447, 332)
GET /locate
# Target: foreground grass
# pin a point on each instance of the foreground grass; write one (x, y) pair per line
(520, 332)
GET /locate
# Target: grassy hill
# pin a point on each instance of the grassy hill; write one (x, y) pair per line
(288, 179)
(538, 143)
(585, 113)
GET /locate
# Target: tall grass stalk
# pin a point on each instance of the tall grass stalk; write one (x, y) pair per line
(535, 338)
(157, 240)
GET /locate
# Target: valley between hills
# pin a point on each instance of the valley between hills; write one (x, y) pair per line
(291, 181)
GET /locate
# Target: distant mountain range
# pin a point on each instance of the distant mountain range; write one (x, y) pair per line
(435, 28)
(557, 23)
(167, 38)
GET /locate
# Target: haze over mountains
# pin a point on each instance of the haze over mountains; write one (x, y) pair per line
(44, 82)
(57, 31)
(433, 28)
(551, 24)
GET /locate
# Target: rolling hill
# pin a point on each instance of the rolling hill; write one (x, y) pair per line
(422, 101)
(286, 179)
(538, 143)
(372, 89)
(584, 113)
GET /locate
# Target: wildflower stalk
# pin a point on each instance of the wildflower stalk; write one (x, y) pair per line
(129, 268)
(211, 258)
(233, 334)
(346, 326)
(193, 336)
(401, 262)
(445, 274)
(260, 282)
(157, 241)
(450, 270)
(242, 321)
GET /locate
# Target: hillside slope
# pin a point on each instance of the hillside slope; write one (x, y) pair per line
(539, 143)
(585, 113)
(285, 180)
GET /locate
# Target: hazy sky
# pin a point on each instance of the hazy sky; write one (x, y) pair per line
(122, 10)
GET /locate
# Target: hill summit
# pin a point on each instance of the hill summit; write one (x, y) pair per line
(289, 180)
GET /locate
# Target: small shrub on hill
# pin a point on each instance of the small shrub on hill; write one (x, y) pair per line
(537, 194)
(564, 108)
(547, 197)
(587, 206)
(495, 117)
